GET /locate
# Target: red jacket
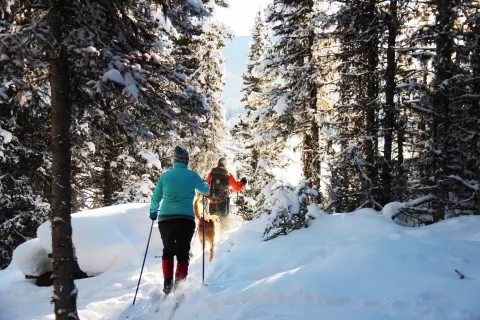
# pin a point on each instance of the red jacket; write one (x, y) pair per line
(236, 186)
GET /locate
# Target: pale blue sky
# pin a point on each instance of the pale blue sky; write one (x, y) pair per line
(240, 18)
(236, 53)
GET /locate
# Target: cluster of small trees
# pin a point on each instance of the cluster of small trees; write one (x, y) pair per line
(384, 96)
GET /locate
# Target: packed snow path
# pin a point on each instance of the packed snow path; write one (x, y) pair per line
(357, 265)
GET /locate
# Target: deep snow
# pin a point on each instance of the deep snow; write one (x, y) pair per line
(358, 265)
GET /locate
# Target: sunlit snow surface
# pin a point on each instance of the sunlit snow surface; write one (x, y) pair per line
(358, 265)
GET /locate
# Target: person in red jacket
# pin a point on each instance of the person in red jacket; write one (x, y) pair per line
(221, 182)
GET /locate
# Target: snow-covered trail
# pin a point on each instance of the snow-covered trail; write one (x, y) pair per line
(357, 265)
(336, 271)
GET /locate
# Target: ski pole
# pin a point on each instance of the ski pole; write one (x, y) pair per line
(203, 243)
(243, 202)
(226, 207)
(194, 236)
(139, 279)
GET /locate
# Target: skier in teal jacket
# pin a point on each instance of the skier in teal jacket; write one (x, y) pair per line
(176, 220)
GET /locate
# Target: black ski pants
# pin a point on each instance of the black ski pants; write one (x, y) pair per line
(177, 236)
(220, 209)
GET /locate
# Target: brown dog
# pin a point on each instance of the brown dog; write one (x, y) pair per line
(212, 226)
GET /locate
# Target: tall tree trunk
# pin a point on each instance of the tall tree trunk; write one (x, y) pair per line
(255, 157)
(476, 108)
(400, 141)
(311, 159)
(63, 257)
(441, 101)
(389, 105)
(372, 96)
(109, 157)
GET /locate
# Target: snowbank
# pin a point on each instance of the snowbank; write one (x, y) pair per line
(31, 258)
(105, 237)
(358, 265)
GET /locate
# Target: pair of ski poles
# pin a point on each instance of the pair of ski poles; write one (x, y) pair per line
(203, 253)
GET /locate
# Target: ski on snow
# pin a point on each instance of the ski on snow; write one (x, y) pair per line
(157, 309)
(178, 302)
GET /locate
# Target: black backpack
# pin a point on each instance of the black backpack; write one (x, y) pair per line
(219, 186)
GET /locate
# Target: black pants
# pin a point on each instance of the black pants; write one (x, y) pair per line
(177, 236)
(219, 209)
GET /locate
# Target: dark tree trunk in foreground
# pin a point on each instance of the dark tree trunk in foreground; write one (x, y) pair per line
(476, 76)
(387, 169)
(371, 147)
(65, 297)
(441, 100)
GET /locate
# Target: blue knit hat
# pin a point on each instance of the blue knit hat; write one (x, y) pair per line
(181, 155)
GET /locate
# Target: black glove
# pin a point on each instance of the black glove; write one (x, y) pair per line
(153, 216)
(244, 180)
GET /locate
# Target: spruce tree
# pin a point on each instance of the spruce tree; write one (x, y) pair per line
(204, 64)
(256, 85)
(105, 64)
(296, 102)
(255, 80)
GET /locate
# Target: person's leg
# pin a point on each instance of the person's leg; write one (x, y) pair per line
(185, 230)
(167, 233)
(213, 208)
(217, 209)
(221, 210)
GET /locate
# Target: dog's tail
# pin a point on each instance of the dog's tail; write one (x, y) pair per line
(196, 207)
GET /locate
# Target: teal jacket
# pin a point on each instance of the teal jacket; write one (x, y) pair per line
(176, 187)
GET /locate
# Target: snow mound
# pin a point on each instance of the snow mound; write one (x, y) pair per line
(103, 238)
(392, 208)
(31, 258)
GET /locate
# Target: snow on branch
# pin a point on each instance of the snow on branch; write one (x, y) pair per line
(470, 184)
(285, 208)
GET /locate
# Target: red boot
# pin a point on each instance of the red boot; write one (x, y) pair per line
(167, 267)
(181, 273)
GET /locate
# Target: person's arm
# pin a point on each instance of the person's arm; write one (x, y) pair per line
(237, 186)
(157, 196)
(209, 180)
(201, 185)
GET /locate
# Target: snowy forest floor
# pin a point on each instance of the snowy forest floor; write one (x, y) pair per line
(358, 265)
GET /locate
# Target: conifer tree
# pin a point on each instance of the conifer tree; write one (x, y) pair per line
(355, 171)
(255, 81)
(105, 64)
(296, 102)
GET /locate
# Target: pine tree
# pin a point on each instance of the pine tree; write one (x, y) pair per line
(296, 102)
(414, 104)
(256, 85)
(456, 116)
(204, 65)
(65, 292)
(389, 108)
(472, 34)
(355, 181)
(110, 69)
(25, 159)
(255, 80)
